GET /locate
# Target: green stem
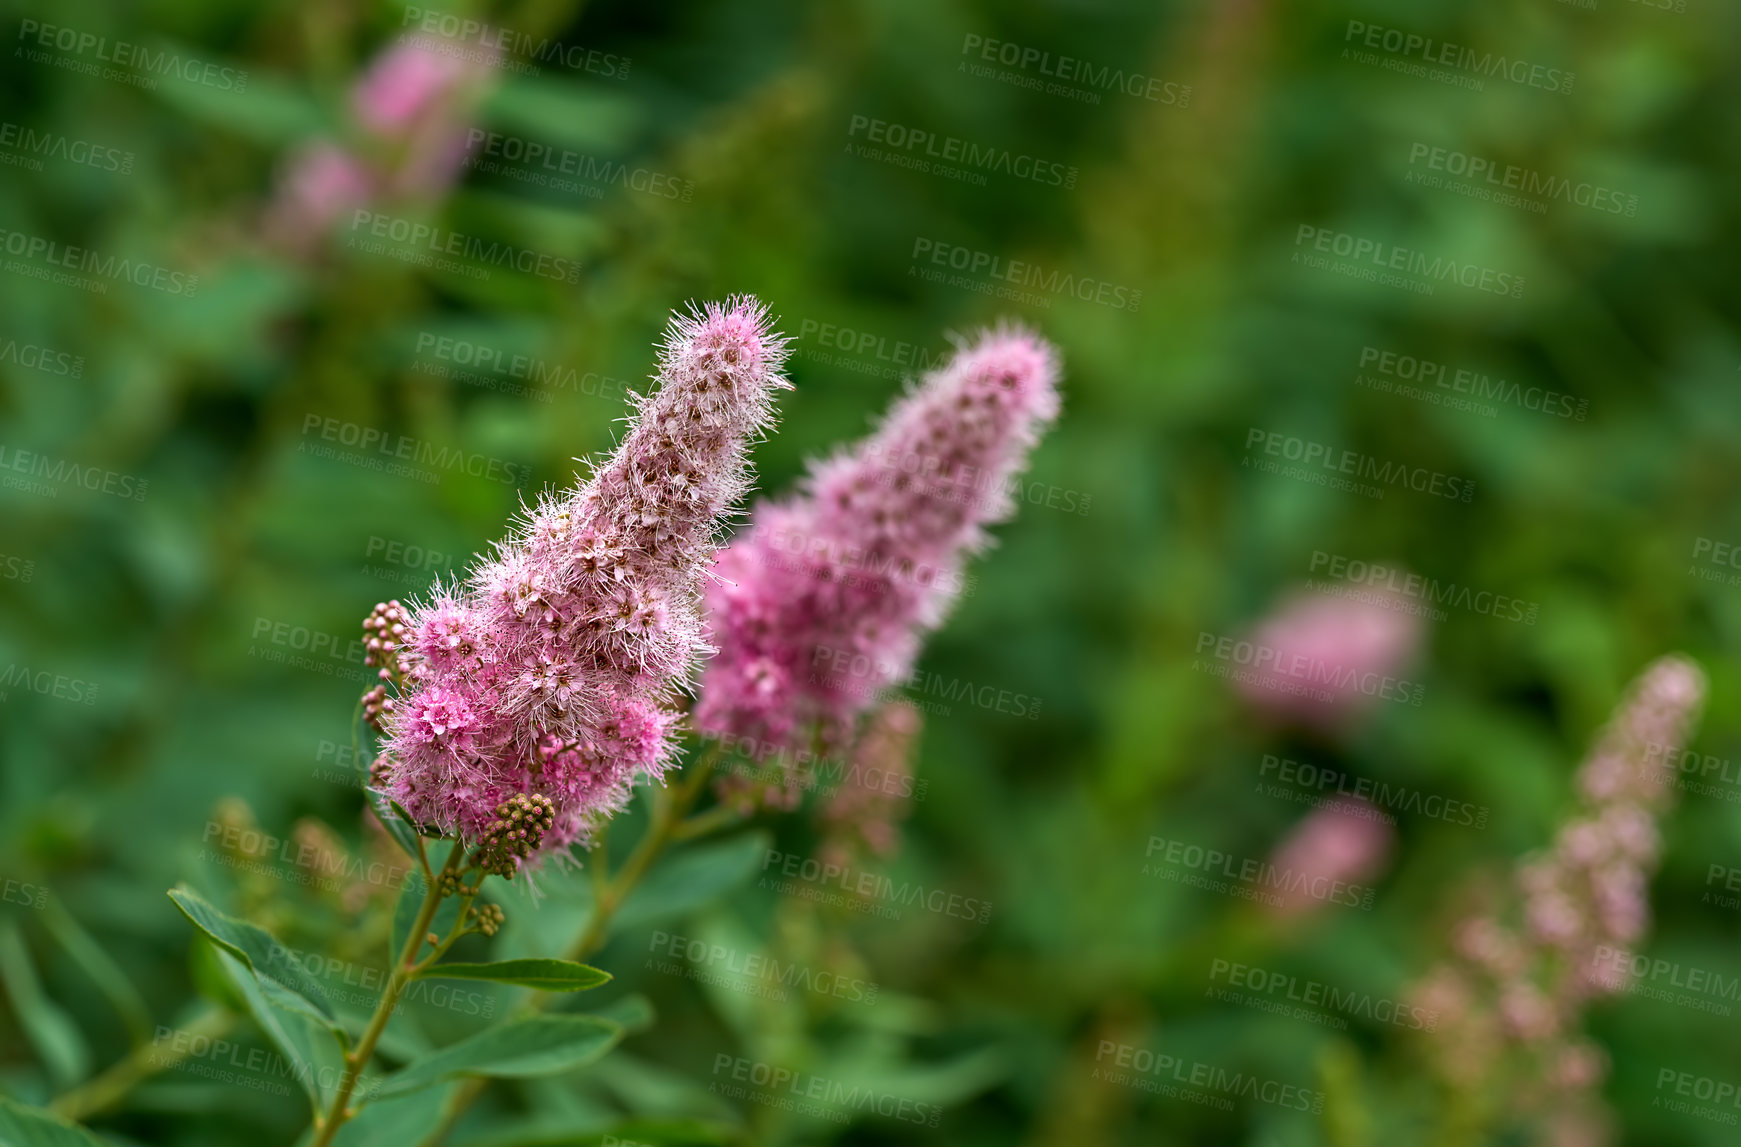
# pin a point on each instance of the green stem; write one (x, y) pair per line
(139, 1065)
(670, 808)
(358, 1058)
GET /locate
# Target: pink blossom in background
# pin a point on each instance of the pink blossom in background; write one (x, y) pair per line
(1322, 659)
(822, 603)
(555, 668)
(415, 104)
(1345, 842)
(321, 184)
(876, 792)
(1582, 907)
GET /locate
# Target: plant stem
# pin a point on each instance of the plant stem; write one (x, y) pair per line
(140, 1064)
(358, 1058)
(670, 808)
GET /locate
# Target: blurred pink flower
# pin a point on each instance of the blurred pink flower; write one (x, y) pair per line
(1321, 659)
(414, 103)
(1344, 842)
(321, 184)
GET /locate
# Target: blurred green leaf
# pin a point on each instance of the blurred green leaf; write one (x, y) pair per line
(22, 1126)
(547, 975)
(542, 1045)
(688, 878)
(51, 1031)
(102, 970)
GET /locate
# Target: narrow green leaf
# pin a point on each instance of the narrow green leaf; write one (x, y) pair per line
(282, 978)
(22, 1126)
(103, 971)
(544, 974)
(56, 1039)
(542, 1045)
(394, 819)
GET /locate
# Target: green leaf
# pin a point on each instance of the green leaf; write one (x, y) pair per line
(282, 978)
(687, 879)
(544, 974)
(22, 1126)
(57, 1040)
(266, 109)
(406, 1119)
(103, 971)
(542, 1045)
(316, 1060)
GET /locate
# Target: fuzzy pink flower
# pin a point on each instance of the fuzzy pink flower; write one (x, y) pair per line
(822, 603)
(1321, 660)
(1345, 842)
(555, 667)
(321, 183)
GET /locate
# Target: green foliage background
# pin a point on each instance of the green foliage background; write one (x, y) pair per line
(1095, 613)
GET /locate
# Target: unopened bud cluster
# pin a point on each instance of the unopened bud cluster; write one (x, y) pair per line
(383, 639)
(518, 832)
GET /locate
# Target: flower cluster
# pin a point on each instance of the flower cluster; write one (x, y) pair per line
(868, 557)
(1522, 989)
(554, 669)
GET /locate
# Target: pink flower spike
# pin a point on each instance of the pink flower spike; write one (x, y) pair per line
(821, 604)
(555, 669)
